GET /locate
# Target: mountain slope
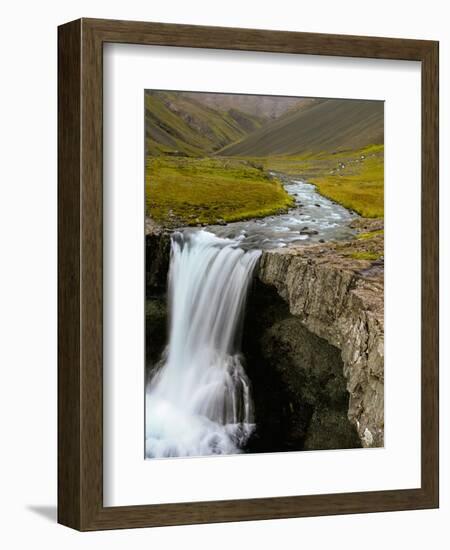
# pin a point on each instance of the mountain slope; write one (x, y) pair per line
(180, 125)
(262, 106)
(325, 125)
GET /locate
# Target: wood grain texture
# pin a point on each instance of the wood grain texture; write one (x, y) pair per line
(69, 246)
(80, 226)
(430, 273)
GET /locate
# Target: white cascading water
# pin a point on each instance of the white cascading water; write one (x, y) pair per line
(199, 401)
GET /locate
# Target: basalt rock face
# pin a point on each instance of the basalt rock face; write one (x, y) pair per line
(156, 329)
(157, 257)
(341, 300)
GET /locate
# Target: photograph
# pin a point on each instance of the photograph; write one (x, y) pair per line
(264, 274)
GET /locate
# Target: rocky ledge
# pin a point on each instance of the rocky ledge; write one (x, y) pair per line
(338, 295)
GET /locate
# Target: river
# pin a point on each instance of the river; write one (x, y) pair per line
(312, 219)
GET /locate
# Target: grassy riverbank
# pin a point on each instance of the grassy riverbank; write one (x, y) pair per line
(191, 191)
(354, 179)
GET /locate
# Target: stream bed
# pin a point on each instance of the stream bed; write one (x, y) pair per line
(314, 218)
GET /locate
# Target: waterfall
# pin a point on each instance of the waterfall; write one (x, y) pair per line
(199, 400)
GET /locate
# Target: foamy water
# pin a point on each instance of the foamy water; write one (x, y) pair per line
(199, 401)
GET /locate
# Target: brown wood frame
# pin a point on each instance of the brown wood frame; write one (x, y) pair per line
(80, 402)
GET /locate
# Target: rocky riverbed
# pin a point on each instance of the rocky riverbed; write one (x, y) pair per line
(314, 218)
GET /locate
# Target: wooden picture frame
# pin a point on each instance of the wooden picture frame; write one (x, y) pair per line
(80, 272)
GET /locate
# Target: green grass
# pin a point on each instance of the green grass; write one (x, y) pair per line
(358, 185)
(361, 188)
(190, 191)
(370, 234)
(365, 255)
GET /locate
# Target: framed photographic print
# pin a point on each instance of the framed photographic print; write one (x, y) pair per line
(248, 274)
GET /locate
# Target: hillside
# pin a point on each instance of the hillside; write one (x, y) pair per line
(260, 106)
(178, 124)
(324, 125)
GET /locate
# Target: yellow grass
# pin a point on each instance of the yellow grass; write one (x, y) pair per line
(355, 179)
(190, 191)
